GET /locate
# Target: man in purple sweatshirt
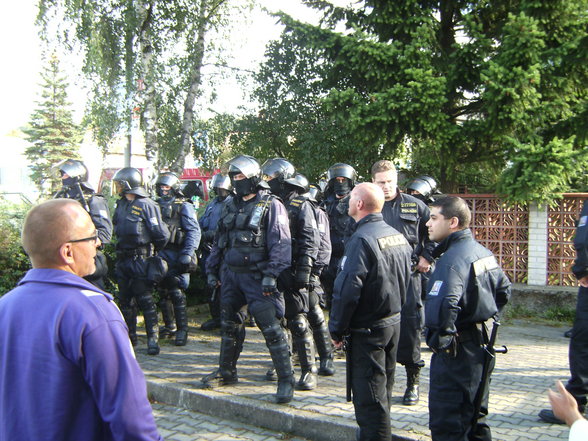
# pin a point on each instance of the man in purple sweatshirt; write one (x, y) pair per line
(67, 368)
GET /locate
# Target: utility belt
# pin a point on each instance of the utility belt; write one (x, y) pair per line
(378, 324)
(473, 333)
(141, 251)
(248, 269)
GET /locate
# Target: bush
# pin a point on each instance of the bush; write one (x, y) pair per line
(14, 263)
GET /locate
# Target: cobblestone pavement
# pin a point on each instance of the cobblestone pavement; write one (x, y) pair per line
(537, 356)
(177, 424)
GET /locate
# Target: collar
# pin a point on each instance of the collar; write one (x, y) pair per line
(458, 236)
(373, 217)
(60, 277)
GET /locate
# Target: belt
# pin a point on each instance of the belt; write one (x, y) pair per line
(244, 269)
(143, 251)
(378, 324)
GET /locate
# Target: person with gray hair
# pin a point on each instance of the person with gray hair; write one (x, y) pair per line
(70, 373)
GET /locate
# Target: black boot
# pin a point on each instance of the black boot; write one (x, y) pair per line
(210, 325)
(169, 328)
(303, 346)
(322, 340)
(233, 335)
(150, 315)
(277, 344)
(548, 416)
(411, 394)
(129, 312)
(179, 301)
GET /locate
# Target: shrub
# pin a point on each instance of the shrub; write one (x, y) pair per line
(14, 263)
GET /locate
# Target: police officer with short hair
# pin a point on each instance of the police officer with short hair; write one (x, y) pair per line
(221, 186)
(179, 253)
(370, 289)
(140, 232)
(577, 385)
(408, 215)
(294, 282)
(466, 289)
(74, 177)
(252, 247)
(341, 179)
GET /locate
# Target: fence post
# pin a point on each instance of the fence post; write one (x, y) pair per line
(538, 227)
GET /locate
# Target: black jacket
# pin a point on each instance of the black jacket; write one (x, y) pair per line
(373, 277)
(580, 267)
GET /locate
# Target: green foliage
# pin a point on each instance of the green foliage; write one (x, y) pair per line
(13, 260)
(51, 129)
(461, 87)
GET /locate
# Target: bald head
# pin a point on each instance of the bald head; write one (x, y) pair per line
(366, 198)
(48, 226)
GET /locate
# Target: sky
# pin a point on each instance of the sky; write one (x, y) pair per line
(20, 50)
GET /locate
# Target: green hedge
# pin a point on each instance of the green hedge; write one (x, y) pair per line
(13, 260)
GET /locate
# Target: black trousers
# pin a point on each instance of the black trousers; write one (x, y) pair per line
(578, 352)
(454, 382)
(373, 365)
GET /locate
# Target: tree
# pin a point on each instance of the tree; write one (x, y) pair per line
(51, 130)
(464, 88)
(148, 54)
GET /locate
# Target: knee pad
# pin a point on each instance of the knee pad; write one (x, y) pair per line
(177, 297)
(298, 325)
(264, 314)
(316, 317)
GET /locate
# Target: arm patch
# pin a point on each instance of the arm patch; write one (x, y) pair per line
(485, 264)
(391, 241)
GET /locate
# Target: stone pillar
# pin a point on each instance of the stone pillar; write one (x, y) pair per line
(537, 271)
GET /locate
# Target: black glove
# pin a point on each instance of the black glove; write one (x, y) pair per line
(212, 281)
(268, 285)
(184, 262)
(302, 276)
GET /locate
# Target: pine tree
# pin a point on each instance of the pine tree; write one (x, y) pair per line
(51, 130)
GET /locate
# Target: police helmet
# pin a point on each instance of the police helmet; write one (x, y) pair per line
(300, 182)
(245, 164)
(73, 168)
(425, 185)
(129, 180)
(341, 170)
(315, 193)
(170, 179)
(220, 181)
(279, 168)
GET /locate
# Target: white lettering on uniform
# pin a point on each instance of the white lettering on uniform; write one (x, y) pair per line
(153, 221)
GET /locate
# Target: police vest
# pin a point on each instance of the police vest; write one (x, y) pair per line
(171, 214)
(243, 230)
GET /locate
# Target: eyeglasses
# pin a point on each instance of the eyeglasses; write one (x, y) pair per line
(93, 238)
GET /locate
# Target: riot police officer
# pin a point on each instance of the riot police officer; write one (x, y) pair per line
(221, 186)
(294, 282)
(179, 253)
(408, 215)
(140, 232)
(251, 248)
(74, 177)
(341, 180)
(423, 187)
(370, 289)
(466, 289)
(315, 315)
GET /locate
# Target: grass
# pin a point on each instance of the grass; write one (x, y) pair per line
(554, 316)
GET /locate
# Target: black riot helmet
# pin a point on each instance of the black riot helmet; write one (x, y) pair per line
(221, 185)
(170, 179)
(423, 185)
(300, 182)
(276, 172)
(129, 180)
(315, 193)
(249, 167)
(75, 169)
(341, 170)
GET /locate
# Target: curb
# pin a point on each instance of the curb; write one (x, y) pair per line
(310, 425)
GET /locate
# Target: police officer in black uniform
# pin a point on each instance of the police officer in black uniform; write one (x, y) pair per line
(370, 289)
(466, 288)
(423, 187)
(577, 385)
(140, 232)
(74, 177)
(252, 247)
(294, 282)
(221, 186)
(315, 315)
(341, 180)
(179, 253)
(408, 215)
